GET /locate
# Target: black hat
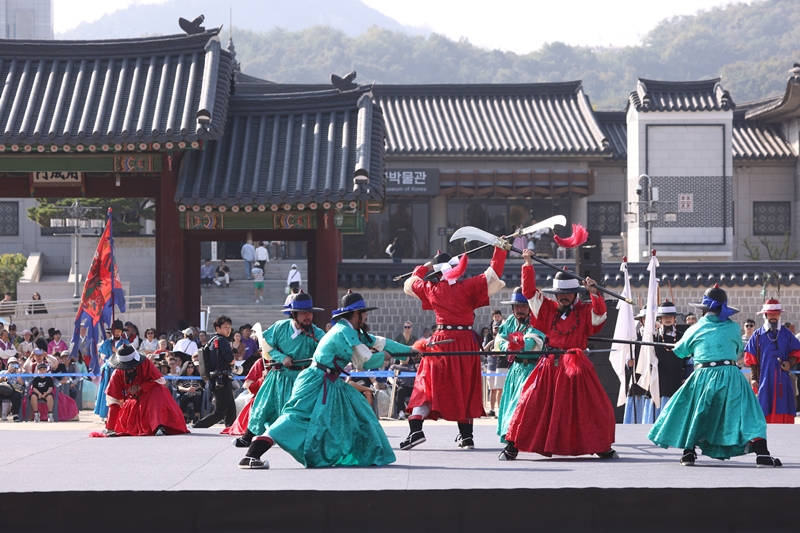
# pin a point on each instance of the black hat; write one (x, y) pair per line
(516, 297)
(563, 283)
(441, 259)
(714, 295)
(126, 358)
(667, 309)
(301, 302)
(352, 301)
(117, 325)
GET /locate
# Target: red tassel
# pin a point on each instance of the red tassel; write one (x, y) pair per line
(421, 346)
(457, 271)
(516, 342)
(578, 237)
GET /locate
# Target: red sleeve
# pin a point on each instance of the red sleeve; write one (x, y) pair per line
(421, 271)
(598, 308)
(477, 290)
(254, 386)
(528, 281)
(419, 288)
(750, 359)
(498, 262)
(148, 374)
(256, 371)
(115, 385)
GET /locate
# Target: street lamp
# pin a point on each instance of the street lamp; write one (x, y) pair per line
(76, 218)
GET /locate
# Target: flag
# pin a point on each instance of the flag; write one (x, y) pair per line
(101, 292)
(625, 329)
(648, 362)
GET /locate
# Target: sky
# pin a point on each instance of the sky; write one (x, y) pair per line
(516, 25)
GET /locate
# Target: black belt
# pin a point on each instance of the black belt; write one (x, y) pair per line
(326, 369)
(443, 326)
(712, 364)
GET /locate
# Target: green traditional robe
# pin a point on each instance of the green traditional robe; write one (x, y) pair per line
(519, 372)
(326, 422)
(284, 340)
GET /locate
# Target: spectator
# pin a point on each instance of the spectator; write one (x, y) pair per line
(223, 274)
(185, 347)
(175, 365)
(426, 333)
(238, 347)
(190, 393)
(262, 256)
(202, 338)
(206, 274)
(67, 366)
(11, 388)
(248, 255)
(7, 350)
(294, 280)
(293, 291)
(12, 335)
(787, 325)
(258, 282)
(57, 345)
(224, 407)
(690, 319)
(162, 349)
(38, 339)
(42, 388)
(37, 307)
(497, 316)
(396, 250)
(7, 305)
(88, 388)
(163, 368)
(26, 347)
(149, 344)
(132, 335)
(85, 345)
(495, 364)
(39, 357)
(407, 337)
(749, 327)
(251, 347)
(404, 386)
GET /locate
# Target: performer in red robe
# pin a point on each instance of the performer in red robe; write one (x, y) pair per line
(138, 400)
(253, 381)
(450, 387)
(563, 409)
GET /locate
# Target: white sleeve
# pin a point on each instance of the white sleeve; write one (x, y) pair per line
(408, 284)
(493, 283)
(535, 303)
(361, 354)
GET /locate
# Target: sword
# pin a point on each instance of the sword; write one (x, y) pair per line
(278, 364)
(550, 223)
(471, 233)
(538, 352)
(639, 343)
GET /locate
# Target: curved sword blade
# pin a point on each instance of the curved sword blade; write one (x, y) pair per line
(558, 220)
(471, 233)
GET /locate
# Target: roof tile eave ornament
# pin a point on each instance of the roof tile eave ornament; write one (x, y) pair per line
(208, 90)
(776, 105)
(603, 144)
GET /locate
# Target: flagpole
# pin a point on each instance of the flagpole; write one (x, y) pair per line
(113, 264)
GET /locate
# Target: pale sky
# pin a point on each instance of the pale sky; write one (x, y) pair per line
(516, 25)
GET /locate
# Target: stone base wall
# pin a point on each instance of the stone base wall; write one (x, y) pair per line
(397, 307)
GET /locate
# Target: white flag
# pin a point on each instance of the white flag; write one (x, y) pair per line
(625, 329)
(648, 362)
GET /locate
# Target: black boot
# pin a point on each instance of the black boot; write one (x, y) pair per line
(509, 453)
(259, 447)
(689, 457)
(464, 438)
(243, 441)
(763, 458)
(415, 434)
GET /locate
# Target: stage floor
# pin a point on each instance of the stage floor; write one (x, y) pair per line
(60, 457)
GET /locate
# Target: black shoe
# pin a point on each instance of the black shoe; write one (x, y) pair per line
(251, 463)
(465, 443)
(160, 432)
(509, 453)
(610, 454)
(491, 414)
(414, 438)
(688, 458)
(767, 461)
(240, 442)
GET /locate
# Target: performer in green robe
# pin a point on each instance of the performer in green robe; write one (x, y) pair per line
(715, 408)
(516, 334)
(287, 340)
(326, 422)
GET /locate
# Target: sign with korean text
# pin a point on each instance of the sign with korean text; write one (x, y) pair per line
(417, 181)
(686, 203)
(57, 178)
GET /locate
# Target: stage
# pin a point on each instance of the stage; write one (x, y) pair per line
(191, 483)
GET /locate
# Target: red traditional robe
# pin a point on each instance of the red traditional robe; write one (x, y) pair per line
(151, 406)
(452, 385)
(256, 377)
(563, 409)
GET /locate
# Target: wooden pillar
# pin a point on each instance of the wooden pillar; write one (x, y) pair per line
(191, 281)
(170, 283)
(323, 260)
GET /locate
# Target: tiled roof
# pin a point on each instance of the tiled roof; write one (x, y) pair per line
(78, 93)
(781, 107)
(504, 119)
(704, 95)
(288, 148)
(753, 141)
(615, 128)
(680, 274)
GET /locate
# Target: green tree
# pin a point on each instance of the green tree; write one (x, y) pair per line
(11, 268)
(126, 211)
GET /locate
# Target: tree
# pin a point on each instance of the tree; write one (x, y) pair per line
(126, 211)
(11, 268)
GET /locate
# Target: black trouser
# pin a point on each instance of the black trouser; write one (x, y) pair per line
(400, 396)
(224, 408)
(185, 400)
(16, 402)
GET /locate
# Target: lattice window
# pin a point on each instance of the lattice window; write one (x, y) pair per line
(772, 218)
(605, 217)
(9, 219)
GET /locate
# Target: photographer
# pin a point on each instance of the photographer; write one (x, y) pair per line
(11, 388)
(224, 407)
